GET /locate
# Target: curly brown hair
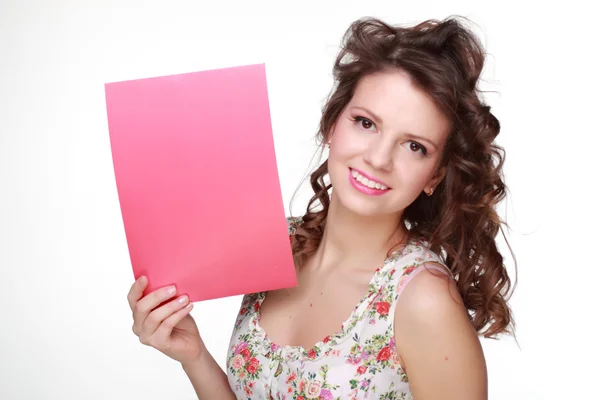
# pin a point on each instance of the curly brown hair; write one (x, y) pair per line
(445, 59)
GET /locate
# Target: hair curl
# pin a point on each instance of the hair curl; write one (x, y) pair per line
(459, 220)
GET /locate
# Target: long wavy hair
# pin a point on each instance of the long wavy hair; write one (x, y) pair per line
(444, 59)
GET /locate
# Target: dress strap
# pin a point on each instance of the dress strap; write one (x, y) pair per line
(414, 259)
(293, 223)
(406, 278)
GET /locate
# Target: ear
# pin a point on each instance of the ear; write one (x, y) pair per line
(435, 181)
(330, 133)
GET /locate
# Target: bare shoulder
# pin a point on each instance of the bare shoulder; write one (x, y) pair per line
(436, 342)
(429, 295)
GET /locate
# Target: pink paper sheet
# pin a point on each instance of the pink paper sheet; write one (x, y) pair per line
(198, 184)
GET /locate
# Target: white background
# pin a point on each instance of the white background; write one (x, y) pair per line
(65, 324)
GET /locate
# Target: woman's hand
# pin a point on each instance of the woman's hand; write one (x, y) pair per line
(168, 328)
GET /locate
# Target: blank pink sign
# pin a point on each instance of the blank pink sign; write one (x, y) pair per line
(197, 181)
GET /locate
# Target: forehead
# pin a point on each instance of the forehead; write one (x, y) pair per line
(402, 106)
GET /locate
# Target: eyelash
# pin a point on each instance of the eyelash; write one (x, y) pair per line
(359, 119)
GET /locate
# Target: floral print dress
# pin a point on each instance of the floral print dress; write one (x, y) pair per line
(358, 362)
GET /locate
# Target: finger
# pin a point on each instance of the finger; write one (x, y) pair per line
(165, 329)
(150, 302)
(156, 317)
(136, 291)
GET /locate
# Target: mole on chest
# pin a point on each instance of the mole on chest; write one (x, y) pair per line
(305, 320)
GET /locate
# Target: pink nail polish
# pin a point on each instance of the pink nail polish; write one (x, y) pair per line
(182, 299)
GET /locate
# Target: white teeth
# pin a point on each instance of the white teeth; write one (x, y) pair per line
(368, 182)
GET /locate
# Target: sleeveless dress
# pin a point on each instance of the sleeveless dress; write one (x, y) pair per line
(357, 362)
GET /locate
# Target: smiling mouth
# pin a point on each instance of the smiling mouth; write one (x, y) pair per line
(363, 180)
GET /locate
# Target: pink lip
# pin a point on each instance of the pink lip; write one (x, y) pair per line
(365, 189)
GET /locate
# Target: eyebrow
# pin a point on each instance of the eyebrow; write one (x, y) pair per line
(409, 135)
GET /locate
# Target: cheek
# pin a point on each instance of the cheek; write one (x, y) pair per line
(413, 173)
(346, 143)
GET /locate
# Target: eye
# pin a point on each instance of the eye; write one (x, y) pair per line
(414, 147)
(365, 123)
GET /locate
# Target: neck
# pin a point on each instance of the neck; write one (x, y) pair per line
(365, 240)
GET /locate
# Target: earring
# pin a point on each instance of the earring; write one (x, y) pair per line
(329, 144)
(430, 192)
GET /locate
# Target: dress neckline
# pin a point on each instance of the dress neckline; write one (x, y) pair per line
(381, 276)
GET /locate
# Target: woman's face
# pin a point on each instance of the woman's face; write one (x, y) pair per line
(386, 145)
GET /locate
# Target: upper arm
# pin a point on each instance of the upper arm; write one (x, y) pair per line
(436, 342)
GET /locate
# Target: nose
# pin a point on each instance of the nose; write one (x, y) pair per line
(379, 153)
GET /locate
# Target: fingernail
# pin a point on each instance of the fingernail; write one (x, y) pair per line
(182, 299)
(171, 290)
(142, 279)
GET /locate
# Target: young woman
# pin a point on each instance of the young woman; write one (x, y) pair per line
(396, 259)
